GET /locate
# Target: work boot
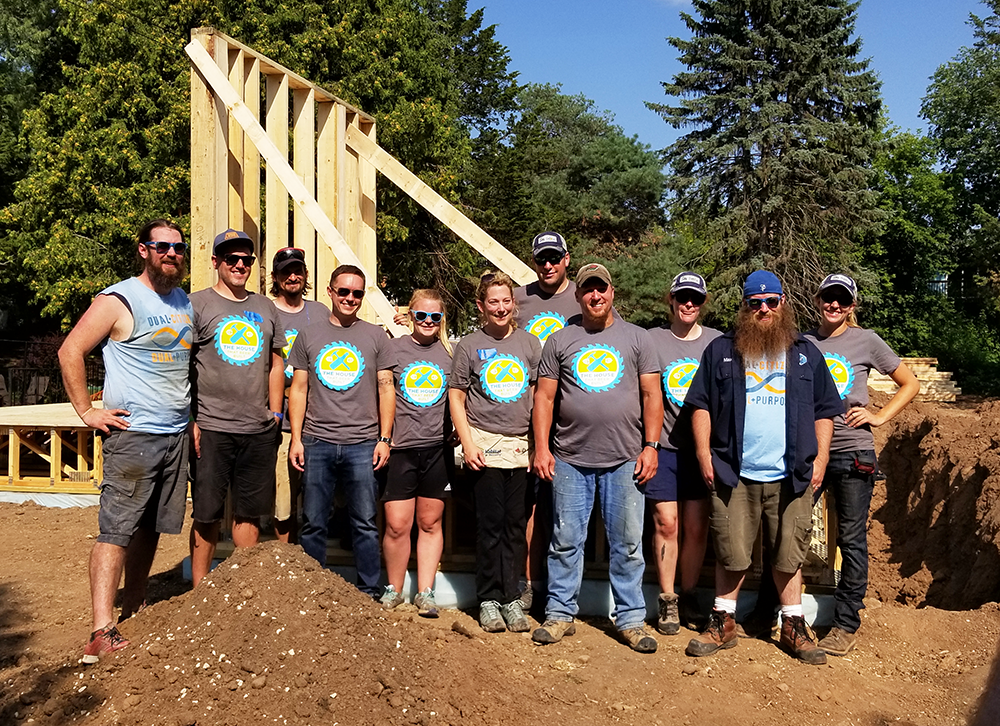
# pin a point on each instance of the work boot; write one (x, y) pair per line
(838, 642)
(639, 639)
(668, 620)
(720, 634)
(552, 631)
(797, 640)
(689, 612)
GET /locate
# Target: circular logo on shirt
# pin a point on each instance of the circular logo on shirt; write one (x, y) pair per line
(422, 383)
(842, 372)
(238, 341)
(340, 366)
(504, 378)
(677, 379)
(290, 336)
(545, 324)
(598, 367)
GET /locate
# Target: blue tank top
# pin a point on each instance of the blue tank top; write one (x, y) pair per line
(147, 374)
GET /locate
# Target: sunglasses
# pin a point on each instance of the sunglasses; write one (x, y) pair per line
(289, 253)
(684, 297)
(233, 260)
(347, 292)
(422, 315)
(843, 297)
(163, 247)
(553, 259)
(755, 303)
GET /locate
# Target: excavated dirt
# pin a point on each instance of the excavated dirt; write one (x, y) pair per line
(270, 638)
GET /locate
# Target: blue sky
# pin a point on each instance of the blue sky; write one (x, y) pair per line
(615, 51)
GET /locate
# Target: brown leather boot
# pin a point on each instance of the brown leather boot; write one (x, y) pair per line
(720, 634)
(795, 638)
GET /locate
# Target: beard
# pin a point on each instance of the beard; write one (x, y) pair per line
(169, 277)
(755, 341)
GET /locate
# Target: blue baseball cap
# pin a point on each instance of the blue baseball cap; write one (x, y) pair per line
(235, 236)
(762, 281)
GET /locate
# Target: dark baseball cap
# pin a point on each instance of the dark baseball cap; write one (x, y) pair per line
(689, 281)
(843, 280)
(229, 236)
(548, 241)
(288, 256)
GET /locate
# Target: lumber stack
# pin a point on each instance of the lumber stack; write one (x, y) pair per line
(935, 385)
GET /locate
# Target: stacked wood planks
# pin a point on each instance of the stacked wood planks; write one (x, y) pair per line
(935, 385)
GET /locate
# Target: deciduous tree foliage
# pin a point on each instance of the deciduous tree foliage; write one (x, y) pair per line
(781, 118)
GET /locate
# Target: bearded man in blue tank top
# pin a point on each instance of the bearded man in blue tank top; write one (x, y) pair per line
(143, 325)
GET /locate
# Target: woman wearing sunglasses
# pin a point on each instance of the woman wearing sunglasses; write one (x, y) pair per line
(851, 352)
(677, 492)
(417, 476)
(490, 393)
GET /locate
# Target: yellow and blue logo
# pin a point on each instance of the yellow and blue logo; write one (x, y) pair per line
(842, 372)
(504, 378)
(339, 366)
(290, 336)
(677, 379)
(598, 368)
(545, 324)
(422, 383)
(238, 341)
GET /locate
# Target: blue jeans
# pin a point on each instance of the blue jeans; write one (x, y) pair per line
(348, 466)
(852, 495)
(622, 506)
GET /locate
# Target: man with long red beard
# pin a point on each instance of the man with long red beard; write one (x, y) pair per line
(763, 404)
(143, 325)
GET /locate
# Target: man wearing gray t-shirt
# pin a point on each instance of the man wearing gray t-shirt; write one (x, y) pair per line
(606, 376)
(341, 408)
(237, 390)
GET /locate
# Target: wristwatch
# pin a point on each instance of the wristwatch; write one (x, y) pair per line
(654, 445)
(385, 440)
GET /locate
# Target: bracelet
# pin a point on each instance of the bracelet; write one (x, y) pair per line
(278, 415)
(384, 440)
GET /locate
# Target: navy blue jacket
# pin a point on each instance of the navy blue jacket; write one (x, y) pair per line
(720, 386)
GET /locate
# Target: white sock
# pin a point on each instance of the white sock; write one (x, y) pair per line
(725, 605)
(791, 611)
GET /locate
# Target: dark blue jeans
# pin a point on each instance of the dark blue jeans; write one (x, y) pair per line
(852, 496)
(348, 466)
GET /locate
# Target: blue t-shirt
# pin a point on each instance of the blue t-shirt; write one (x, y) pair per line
(764, 440)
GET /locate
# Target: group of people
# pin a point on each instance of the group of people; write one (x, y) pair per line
(555, 400)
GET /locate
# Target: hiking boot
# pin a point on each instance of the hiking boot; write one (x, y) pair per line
(639, 639)
(552, 631)
(527, 596)
(668, 621)
(838, 642)
(797, 640)
(105, 640)
(425, 604)
(490, 618)
(688, 611)
(718, 635)
(760, 623)
(513, 615)
(390, 598)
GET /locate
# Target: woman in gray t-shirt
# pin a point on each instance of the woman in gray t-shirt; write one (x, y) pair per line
(490, 392)
(851, 352)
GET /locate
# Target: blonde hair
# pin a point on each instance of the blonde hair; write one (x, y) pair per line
(495, 279)
(426, 293)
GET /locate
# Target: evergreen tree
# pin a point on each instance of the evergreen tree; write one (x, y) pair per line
(782, 122)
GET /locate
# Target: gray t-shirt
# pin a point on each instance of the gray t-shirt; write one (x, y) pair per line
(850, 356)
(599, 423)
(496, 375)
(343, 365)
(292, 323)
(542, 314)
(679, 360)
(231, 360)
(420, 374)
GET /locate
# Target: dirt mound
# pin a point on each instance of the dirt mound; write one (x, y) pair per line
(935, 530)
(269, 636)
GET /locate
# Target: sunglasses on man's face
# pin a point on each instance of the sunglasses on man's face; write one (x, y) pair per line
(233, 260)
(843, 297)
(162, 248)
(347, 292)
(683, 297)
(755, 303)
(422, 315)
(549, 259)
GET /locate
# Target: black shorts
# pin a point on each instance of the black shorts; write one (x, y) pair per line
(677, 478)
(416, 473)
(243, 463)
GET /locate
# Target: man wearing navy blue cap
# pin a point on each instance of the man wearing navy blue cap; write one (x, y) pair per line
(763, 404)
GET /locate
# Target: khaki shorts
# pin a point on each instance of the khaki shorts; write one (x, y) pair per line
(288, 482)
(501, 452)
(737, 513)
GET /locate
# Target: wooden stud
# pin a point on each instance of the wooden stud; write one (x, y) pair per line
(276, 200)
(251, 172)
(366, 242)
(328, 119)
(304, 163)
(55, 454)
(13, 456)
